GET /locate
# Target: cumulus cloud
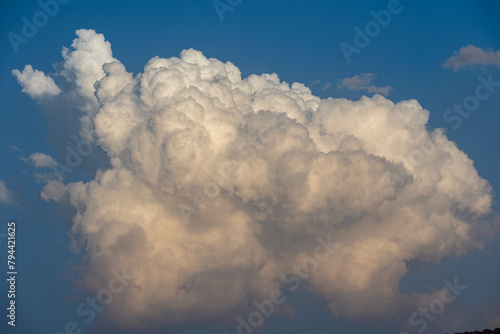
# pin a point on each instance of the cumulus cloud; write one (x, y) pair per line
(218, 184)
(35, 83)
(71, 111)
(471, 55)
(363, 81)
(42, 160)
(5, 194)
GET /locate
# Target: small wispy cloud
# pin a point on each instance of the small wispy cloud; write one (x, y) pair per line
(15, 148)
(471, 55)
(5, 194)
(326, 86)
(363, 81)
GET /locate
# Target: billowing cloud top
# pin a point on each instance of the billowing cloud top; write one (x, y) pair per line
(217, 185)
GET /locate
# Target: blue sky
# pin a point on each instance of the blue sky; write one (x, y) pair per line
(298, 40)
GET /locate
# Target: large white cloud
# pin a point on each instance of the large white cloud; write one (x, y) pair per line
(218, 184)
